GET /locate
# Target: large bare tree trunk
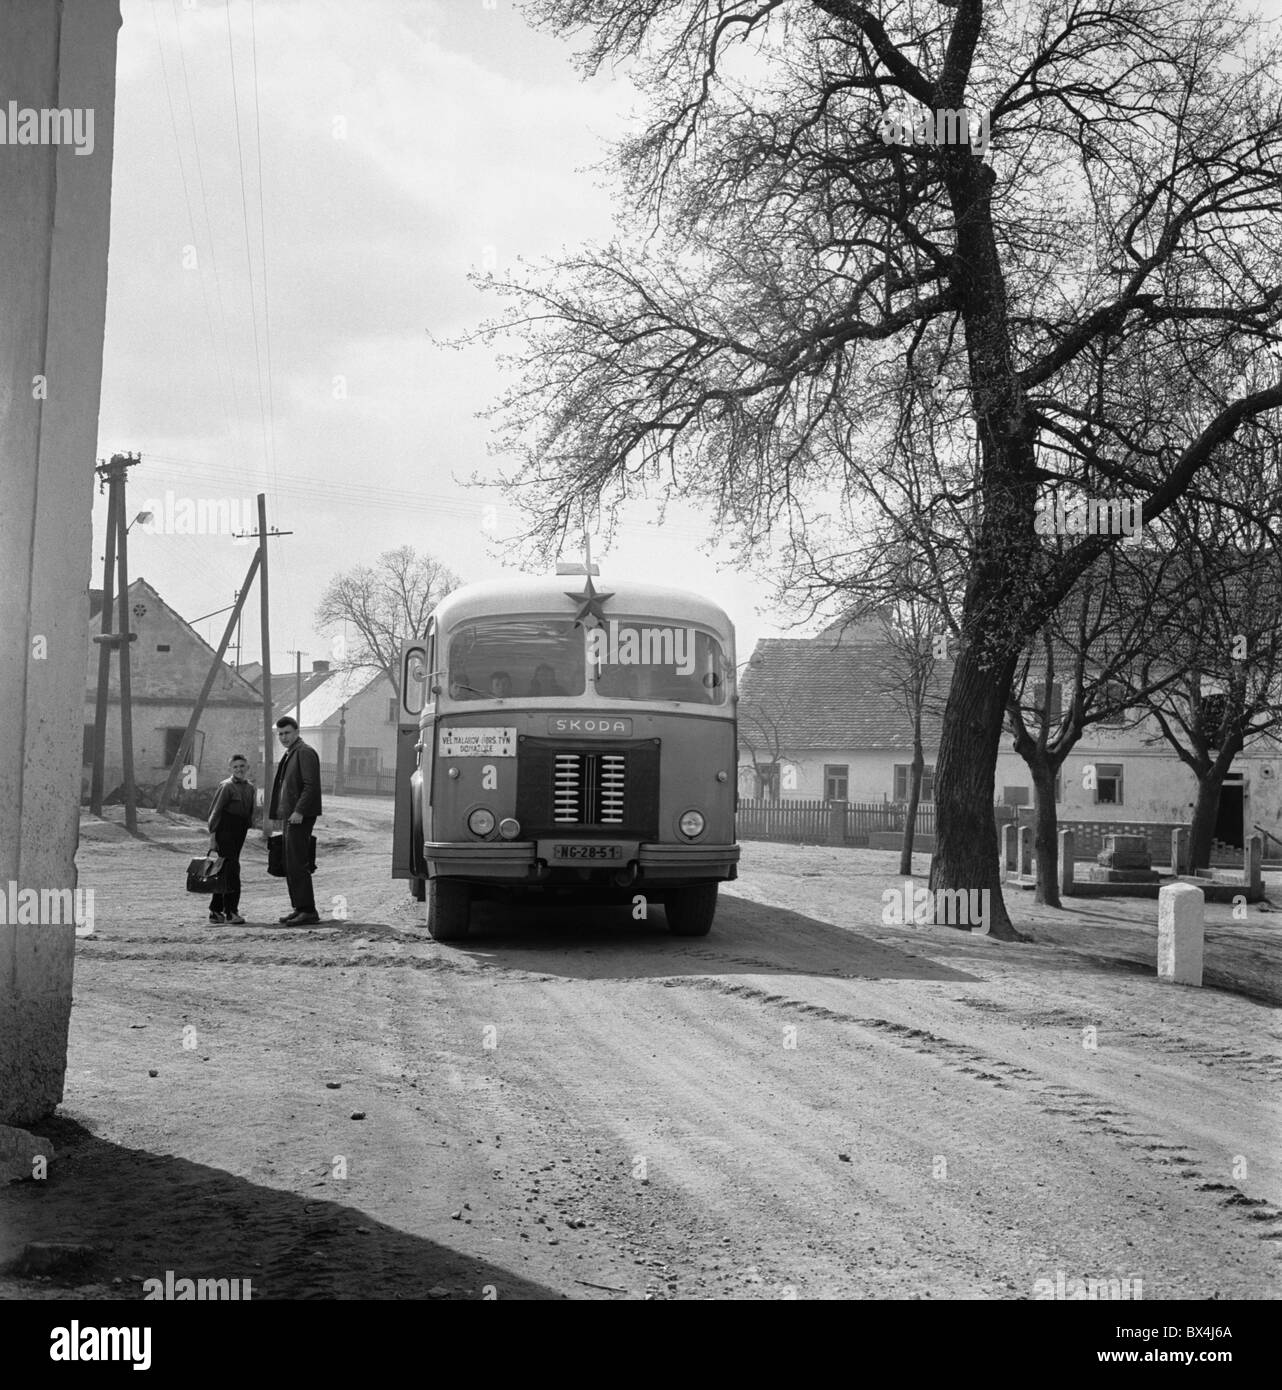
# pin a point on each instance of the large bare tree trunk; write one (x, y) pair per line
(965, 831)
(1205, 811)
(1045, 834)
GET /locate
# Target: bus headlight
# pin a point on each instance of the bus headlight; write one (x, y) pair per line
(481, 821)
(509, 829)
(691, 825)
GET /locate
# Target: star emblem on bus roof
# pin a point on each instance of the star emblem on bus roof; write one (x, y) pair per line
(590, 602)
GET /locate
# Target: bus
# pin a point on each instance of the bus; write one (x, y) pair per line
(567, 744)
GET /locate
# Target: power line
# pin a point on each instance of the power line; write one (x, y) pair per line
(244, 211)
(209, 226)
(191, 219)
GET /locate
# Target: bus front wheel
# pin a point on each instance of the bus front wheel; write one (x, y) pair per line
(690, 910)
(449, 906)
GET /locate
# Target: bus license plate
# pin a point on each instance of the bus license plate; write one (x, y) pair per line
(587, 851)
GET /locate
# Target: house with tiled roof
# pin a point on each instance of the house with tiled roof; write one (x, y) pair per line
(353, 708)
(820, 718)
(168, 663)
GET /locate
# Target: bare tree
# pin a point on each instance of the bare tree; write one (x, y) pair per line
(1105, 650)
(385, 603)
(1071, 280)
(1226, 649)
(761, 731)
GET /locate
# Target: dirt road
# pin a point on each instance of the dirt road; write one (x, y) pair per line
(807, 1103)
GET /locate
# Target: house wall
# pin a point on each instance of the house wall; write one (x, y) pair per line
(367, 727)
(227, 729)
(164, 686)
(1156, 785)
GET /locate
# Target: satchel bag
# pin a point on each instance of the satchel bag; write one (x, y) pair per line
(207, 876)
(276, 855)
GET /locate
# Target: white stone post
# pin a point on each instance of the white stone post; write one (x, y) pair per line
(1067, 846)
(1181, 909)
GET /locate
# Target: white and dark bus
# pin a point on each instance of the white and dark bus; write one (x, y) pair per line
(565, 744)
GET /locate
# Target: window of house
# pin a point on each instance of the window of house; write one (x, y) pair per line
(1059, 788)
(768, 783)
(1057, 700)
(1212, 718)
(1114, 696)
(173, 742)
(392, 709)
(363, 762)
(904, 781)
(1108, 784)
(836, 781)
(86, 757)
(162, 646)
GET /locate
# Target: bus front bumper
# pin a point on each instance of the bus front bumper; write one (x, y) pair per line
(520, 860)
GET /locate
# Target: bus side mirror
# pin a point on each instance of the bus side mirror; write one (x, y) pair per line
(414, 677)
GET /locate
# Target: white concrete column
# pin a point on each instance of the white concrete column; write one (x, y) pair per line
(1067, 848)
(1181, 910)
(1008, 848)
(54, 228)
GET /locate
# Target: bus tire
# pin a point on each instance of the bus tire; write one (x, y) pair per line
(690, 910)
(449, 908)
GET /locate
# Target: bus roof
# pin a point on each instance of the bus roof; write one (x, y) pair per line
(551, 594)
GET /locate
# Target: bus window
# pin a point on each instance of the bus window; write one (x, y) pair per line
(640, 660)
(501, 658)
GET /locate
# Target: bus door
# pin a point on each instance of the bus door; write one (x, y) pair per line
(415, 691)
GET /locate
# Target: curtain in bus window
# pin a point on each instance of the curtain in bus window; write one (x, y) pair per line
(498, 658)
(641, 659)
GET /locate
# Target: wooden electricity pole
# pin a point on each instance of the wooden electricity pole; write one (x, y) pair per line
(109, 472)
(215, 666)
(117, 553)
(264, 611)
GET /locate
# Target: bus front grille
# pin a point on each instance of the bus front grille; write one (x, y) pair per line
(584, 788)
(589, 788)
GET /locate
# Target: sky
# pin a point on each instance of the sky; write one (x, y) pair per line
(300, 191)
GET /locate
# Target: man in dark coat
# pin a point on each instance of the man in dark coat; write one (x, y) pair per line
(296, 801)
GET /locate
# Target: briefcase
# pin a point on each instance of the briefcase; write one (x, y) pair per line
(276, 855)
(201, 880)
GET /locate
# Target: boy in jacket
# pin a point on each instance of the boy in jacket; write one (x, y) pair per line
(230, 817)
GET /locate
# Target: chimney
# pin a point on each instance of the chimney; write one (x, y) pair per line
(319, 666)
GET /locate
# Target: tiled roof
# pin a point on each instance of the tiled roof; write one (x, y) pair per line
(825, 695)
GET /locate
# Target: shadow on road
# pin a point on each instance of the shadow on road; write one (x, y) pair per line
(747, 938)
(145, 1213)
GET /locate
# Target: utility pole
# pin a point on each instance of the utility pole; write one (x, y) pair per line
(298, 685)
(117, 554)
(110, 473)
(264, 622)
(342, 751)
(189, 734)
(125, 637)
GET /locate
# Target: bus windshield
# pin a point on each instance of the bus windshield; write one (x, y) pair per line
(625, 659)
(496, 658)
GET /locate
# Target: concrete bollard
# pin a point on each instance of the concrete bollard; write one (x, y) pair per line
(1181, 910)
(1255, 864)
(1180, 850)
(1067, 846)
(1008, 849)
(1024, 864)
